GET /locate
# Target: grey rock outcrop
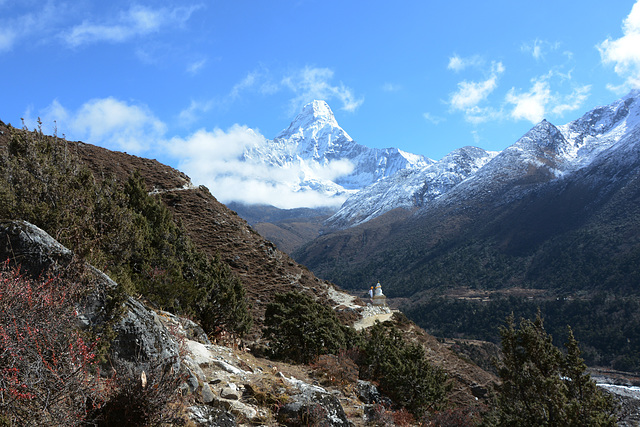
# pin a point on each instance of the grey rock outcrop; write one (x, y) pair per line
(368, 392)
(141, 339)
(313, 406)
(31, 248)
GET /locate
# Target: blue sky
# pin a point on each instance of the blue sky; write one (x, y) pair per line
(154, 78)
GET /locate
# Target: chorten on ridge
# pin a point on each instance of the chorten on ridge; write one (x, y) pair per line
(378, 297)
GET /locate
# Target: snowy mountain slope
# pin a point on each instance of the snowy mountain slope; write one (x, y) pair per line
(600, 128)
(410, 188)
(543, 154)
(547, 153)
(327, 160)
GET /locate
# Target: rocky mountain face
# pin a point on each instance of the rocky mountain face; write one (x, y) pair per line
(410, 188)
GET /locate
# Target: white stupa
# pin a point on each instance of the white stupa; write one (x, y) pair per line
(378, 297)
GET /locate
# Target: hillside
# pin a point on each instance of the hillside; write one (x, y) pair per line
(288, 229)
(264, 271)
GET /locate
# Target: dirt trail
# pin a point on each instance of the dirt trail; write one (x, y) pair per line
(366, 322)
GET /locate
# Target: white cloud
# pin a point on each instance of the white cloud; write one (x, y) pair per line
(624, 52)
(476, 137)
(312, 83)
(215, 159)
(38, 23)
(539, 48)
(540, 100)
(458, 63)
(432, 118)
(7, 39)
(471, 93)
(530, 105)
(109, 123)
(192, 113)
(391, 87)
(137, 21)
(305, 84)
(246, 83)
(573, 101)
(195, 67)
(535, 48)
(477, 115)
(217, 146)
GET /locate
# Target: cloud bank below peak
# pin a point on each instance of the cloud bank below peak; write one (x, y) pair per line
(216, 159)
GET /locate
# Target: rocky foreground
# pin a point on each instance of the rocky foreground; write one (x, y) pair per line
(224, 383)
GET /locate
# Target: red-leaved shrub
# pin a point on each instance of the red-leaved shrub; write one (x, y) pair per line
(47, 367)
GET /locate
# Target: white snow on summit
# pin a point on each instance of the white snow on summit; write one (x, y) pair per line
(600, 129)
(327, 160)
(547, 153)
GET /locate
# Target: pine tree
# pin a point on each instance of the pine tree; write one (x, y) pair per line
(301, 329)
(402, 370)
(543, 387)
(587, 404)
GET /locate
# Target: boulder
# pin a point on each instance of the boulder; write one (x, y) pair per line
(367, 392)
(140, 338)
(205, 415)
(313, 406)
(230, 392)
(31, 248)
(206, 394)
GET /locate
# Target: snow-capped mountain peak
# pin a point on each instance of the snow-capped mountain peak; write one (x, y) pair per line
(410, 188)
(600, 128)
(548, 154)
(315, 111)
(319, 157)
(315, 125)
